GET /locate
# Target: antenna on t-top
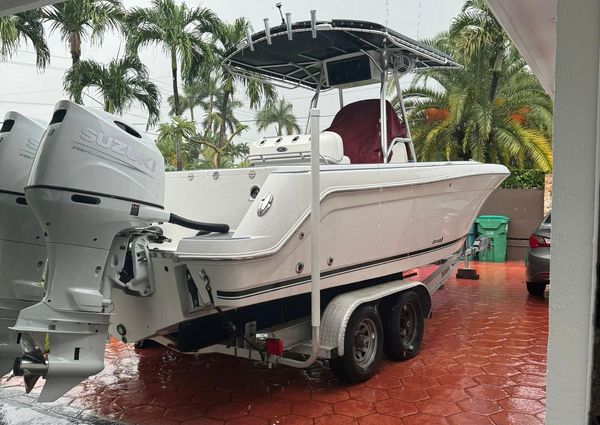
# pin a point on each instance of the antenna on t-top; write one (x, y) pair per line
(278, 6)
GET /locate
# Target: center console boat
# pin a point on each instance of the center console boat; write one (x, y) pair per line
(302, 255)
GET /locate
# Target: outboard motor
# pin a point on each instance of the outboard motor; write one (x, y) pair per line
(95, 182)
(22, 245)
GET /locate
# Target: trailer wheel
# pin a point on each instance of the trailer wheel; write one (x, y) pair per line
(536, 289)
(363, 346)
(404, 327)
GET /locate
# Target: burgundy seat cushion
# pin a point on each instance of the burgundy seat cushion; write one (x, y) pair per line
(358, 125)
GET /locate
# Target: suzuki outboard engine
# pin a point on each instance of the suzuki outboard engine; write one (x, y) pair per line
(95, 181)
(22, 245)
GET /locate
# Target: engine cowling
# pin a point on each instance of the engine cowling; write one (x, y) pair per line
(89, 150)
(94, 179)
(22, 245)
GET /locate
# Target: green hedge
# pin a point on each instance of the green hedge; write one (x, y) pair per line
(524, 179)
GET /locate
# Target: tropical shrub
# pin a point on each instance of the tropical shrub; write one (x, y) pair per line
(525, 179)
(491, 110)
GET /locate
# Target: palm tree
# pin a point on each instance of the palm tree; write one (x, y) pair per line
(196, 145)
(209, 95)
(121, 83)
(456, 118)
(179, 30)
(281, 114)
(24, 27)
(475, 31)
(227, 36)
(170, 137)
(219, 114)
(199, 92)
(77, 20)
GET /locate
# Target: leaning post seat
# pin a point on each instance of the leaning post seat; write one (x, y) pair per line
(358, 125)
(295, 149)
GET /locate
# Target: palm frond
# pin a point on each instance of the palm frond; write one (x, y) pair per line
(121, 83)
(24, 27)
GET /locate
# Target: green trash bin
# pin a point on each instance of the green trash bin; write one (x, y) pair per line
(495, 227)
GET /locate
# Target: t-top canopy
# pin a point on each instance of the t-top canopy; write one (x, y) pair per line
(325, 54)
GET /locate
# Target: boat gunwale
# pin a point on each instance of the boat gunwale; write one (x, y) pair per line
(305, 279)
(273, 250)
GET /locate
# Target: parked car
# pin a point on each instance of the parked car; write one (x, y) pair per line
(538, 258)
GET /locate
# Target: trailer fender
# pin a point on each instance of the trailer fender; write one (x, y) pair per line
(338, 311)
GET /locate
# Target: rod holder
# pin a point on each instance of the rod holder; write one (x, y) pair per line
(249, 39)
(313, 23)
(288, 21)
(267, 30)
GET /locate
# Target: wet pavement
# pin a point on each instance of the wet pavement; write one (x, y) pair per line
(17, 408)
(483, 362)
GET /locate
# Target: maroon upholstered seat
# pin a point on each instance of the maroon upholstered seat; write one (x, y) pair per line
(358, 124)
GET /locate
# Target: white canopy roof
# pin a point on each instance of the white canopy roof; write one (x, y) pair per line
(531, 25)
(10, 7)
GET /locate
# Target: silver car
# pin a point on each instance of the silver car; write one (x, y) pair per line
(538, 258)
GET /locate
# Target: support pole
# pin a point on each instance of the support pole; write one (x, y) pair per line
(382, 106)
(315, 220)
(404, 117)
(383, 118)
(313, 103)
(341, 97)
(315, 264)
(401, 102)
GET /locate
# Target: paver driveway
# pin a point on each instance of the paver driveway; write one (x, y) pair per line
(483, 362)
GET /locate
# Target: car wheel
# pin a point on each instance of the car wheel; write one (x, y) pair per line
(536, 289)
(363, 346)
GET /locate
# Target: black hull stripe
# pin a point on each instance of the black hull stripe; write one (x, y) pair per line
(89, 192)
(8, 192)
(284, 284)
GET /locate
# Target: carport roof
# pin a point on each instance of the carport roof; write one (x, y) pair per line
(10, 7)
(531, 25)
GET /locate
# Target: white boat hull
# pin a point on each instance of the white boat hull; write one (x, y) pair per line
(376, 221)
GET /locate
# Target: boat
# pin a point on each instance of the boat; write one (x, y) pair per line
(22, 244)
(306, 253)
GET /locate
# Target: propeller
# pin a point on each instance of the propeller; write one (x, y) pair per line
(32, 364)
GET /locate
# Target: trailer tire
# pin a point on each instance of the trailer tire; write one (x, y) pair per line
(536, 289)
(403, 327)
(363, 346)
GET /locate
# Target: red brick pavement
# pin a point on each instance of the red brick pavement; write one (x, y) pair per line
(483, 362)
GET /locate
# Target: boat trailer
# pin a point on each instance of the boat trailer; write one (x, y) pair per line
(284, 343)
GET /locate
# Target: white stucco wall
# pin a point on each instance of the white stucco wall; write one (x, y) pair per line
(575, 212)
